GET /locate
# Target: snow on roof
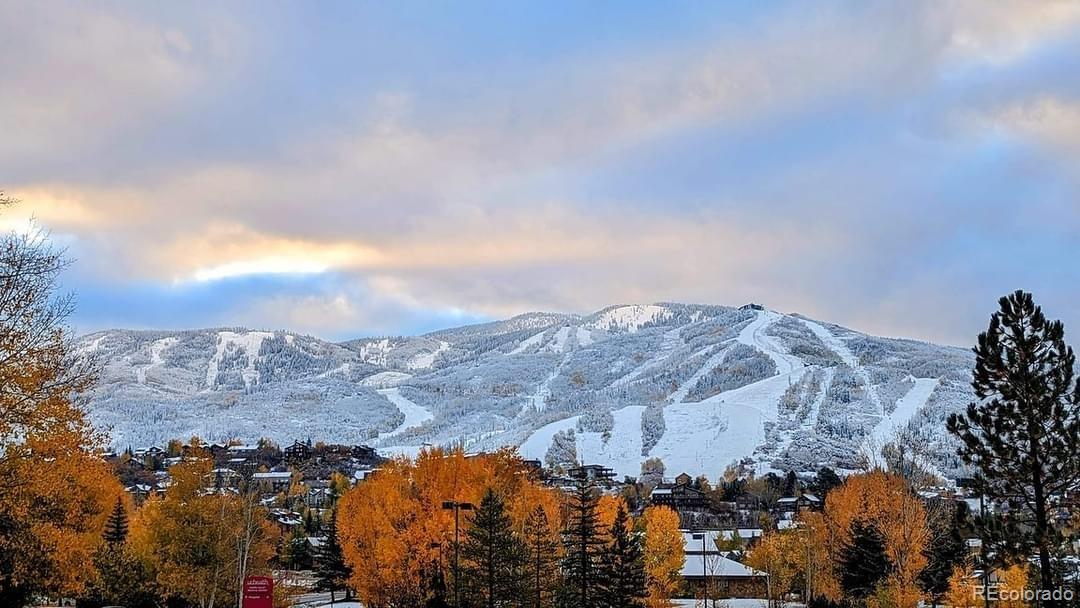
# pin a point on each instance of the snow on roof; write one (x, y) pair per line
(716, 565)
(693, 545)
(243, 448)
(663, 491)
(811, 497)
(273, 475)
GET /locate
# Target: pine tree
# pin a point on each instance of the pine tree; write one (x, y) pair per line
(947, 551)
(863, 561)
(116, 527)
(492, 556)
(330, 568)
(583, 543)
(541, 548)
(623, 567)
(297, 553)
(1024, 434)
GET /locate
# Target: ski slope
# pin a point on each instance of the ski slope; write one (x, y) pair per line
(702, 437)
(415, 415)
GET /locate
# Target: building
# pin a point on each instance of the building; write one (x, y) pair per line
(272, 482)
(297, 452)
(706, 566)
(681, 497)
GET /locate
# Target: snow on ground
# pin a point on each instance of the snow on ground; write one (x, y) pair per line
(667, 348)
(92, 347)
(705, 437)
(385, 379)
(342, 369)
(699, 438)
(426, 360)
(375, 352)
(528, 343)
(754, 335)
(156, 359)
(716, 359)
(249, 342)
(415, 415)
(906, 407)
(536, 446)
(834, 343)
(622, 450)
(558, 343)
(630, 318)
(584, 337)
(840, 348)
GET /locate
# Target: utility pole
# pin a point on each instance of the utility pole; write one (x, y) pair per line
(457, 507)
(704, 567)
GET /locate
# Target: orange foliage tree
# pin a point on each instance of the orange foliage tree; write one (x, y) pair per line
(54, 496)
(395, 533)
(885, 502)
(664, 555)
(200, 544)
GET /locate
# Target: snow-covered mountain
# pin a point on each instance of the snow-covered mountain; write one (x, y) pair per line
(700, 387)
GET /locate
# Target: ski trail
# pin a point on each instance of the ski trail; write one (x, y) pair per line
(156, 359)
(906, 407)
(679, 396)
(838, 346)
(667, 348)
(754, 335)
(415, 415)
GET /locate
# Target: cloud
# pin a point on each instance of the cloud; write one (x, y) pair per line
(811, 159)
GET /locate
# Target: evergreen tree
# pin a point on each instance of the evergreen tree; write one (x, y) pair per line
(583, 543)
(825, 481)
(330, 568)
(947, 550)
(1023, 434)
(791, 484)
(492, 556)
(863, 562)
(623, 571)
(296, 552)
(122, 580)
(116, 527)
(541, 563)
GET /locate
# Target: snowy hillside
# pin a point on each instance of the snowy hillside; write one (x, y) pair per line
(700, 387)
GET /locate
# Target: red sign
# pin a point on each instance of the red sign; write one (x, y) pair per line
(258, 592)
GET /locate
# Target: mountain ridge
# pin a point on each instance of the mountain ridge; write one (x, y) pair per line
(700, 386)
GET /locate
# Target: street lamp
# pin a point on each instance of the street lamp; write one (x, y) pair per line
(457, 507)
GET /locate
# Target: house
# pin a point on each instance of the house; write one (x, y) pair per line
(596, 473)
(363, 452)
(680, 496)
(706, 565)
(243, 466)
(272, 482)
(243, 451)
(747, 502)
(809, 502)
(297, 452)
(225, 478)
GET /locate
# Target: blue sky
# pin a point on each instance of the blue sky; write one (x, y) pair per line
(349, 169)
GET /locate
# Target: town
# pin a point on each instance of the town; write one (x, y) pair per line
(721, 523)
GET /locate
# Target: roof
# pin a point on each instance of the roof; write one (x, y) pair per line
(716, 565)
(273, 475)
(693, 545)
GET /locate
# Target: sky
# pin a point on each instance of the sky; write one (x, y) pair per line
(349, 169)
